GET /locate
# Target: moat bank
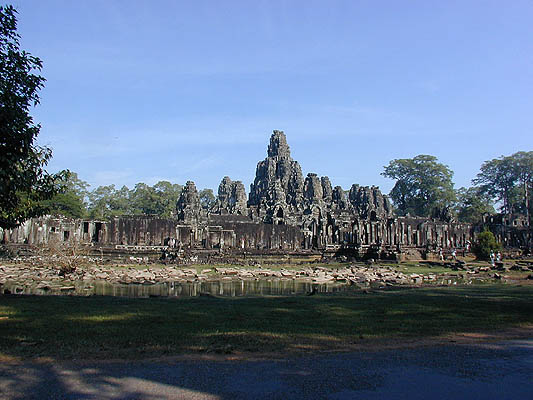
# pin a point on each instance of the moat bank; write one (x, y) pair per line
(234, 281)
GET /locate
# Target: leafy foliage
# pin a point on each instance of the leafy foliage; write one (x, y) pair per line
(160, 200)
(106, 201)
(472, 204)
(207, 198)
(508, 180)
(422, 185)
(485, 243)
(24, 183)
(71, 201)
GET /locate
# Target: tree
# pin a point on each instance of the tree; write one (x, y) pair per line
(508, 180)
(160, 200)
(485, 243)
(422, 185)
(168, 194)
(144, 200)
(472, 204)
(207, 198)
(71, 202)
(24, 183)
(523, 167)
(106, 202)
(497, 180)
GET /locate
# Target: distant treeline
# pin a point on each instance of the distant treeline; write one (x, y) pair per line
(106, 201)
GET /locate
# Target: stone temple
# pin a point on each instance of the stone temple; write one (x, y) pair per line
(283, 213)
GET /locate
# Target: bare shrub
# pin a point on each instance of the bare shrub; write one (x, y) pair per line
(64, 256)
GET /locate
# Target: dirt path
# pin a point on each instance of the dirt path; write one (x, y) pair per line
(478, 370)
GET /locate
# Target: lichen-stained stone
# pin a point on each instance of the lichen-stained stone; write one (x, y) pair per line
(313, 192)
(231, 197)
(338, 199)
(188, 206)
(327, 191)
(369, 203)
(278, 178)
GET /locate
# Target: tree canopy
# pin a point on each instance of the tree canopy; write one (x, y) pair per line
(24, 183)
(71, 201)
(472, 204)
(207, 198)
(159, 199)
(422, 185)
(508, 180)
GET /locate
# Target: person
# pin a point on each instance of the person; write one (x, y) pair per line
(498, 256)
(492, 258)
(454, 254)
(441, 256)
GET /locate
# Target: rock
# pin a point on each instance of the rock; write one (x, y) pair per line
(369, 202)
(231, 197)
(278, 180)
(313, 192)
(230, 272)
(188, 205)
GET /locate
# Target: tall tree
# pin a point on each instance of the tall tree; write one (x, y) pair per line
(160, 200)
(472, 205)
(24, 182)
(508, 180)
(422, 185)
(144, 200)
(106, 202)
(207, 198)
(523, 167)
(497, 179)
(71, 202)
(168, 194)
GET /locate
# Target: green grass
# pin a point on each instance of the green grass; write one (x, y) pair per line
(107, 327)
(424, 269)
(200, 267)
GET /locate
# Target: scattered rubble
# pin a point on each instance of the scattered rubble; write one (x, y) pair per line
(351, 274)
(42, 273)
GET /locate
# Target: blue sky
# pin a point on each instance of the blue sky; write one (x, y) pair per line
(142, 91)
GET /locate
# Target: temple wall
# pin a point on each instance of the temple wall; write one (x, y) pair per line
(142, 230)
(241, 232)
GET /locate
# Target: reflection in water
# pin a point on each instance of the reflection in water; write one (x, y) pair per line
(226, 288)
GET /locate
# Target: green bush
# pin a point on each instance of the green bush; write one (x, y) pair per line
(484, 244)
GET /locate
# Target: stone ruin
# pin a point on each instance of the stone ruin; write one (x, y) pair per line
(283, 213)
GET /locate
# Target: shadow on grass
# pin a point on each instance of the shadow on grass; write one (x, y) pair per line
(108, 327)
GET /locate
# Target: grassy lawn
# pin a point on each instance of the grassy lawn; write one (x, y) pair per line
(107, 327)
